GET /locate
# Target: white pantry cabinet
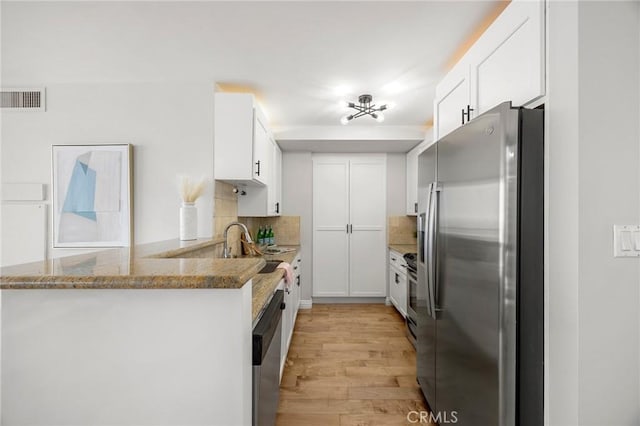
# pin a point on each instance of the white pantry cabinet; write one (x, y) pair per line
(412, 176)
(507, 63)
(349, 225)
(242, 149)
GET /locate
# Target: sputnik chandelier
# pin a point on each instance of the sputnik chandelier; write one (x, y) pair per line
(365, 107)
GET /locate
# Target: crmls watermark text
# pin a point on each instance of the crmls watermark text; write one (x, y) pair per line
(441, 417)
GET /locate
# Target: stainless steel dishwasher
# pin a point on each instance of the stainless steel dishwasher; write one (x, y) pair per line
(266, 362)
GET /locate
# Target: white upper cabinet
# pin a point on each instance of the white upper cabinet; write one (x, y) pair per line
(508, 60)
(507, 63)
(262, 201)
(276, 201)
(245, 154)
(242, 151)
(412, 176)
(452, 99)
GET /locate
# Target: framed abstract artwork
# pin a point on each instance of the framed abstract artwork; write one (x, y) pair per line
(92, 196)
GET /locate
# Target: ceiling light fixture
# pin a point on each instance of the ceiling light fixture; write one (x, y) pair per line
(365, 107)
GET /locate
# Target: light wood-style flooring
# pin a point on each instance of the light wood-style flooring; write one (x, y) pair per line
(349, 365)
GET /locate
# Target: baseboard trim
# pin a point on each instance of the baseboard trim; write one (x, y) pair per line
(320, 300)
(387, 301)
(306, 304)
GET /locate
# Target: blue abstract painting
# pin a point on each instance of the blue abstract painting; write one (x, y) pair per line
(91, 194)
(81, 192)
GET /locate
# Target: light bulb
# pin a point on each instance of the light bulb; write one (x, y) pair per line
(344, 120)
(380, 118)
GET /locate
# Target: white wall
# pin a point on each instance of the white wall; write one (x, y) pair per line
(396, 184)
(609, 194)
(100, 90)
(169, 124)
(297, 185)
(593, 176)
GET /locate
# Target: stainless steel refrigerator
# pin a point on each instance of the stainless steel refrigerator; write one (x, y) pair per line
(480, 270)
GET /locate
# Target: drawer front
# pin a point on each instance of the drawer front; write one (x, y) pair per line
(396, 260)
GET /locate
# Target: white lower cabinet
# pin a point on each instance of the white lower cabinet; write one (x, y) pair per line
(290, 313)
(398, 282)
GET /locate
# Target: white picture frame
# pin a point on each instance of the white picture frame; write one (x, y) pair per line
(92, 195)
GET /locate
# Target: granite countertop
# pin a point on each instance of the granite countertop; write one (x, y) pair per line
(155, 265)
(404, 248)
(265, 284)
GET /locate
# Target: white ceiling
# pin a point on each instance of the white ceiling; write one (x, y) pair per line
(304, 57)
(300, 57)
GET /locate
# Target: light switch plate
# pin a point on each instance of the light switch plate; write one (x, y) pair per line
(626, 241)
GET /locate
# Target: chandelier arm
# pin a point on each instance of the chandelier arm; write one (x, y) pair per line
(360, 114)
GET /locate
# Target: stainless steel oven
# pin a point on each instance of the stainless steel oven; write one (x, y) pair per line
(412, 297)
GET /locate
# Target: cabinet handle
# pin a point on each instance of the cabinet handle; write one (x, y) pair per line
(397, 279)
(393, 258)
(258, 164)
(277, 207)
(347, 228)
(298, 281)
(295, 268)
(467, 113)
(351, 229)
(415, 206)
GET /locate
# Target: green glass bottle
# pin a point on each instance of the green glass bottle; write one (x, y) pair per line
(260, 237)
(270, 236)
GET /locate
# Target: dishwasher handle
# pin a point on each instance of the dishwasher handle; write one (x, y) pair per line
(266, 328)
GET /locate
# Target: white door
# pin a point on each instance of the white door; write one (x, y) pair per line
(368, 210)
(330, 219)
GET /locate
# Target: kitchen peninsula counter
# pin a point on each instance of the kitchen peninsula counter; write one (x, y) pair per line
(129, 331)
(147, 266)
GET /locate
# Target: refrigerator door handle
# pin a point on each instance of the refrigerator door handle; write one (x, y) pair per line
(432, 282)
(423, 278)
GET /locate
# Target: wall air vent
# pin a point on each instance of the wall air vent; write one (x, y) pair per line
(22, 99)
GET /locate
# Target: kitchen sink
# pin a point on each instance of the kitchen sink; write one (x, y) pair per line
(270, 266)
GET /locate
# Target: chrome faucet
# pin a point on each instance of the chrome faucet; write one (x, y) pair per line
(226, 253)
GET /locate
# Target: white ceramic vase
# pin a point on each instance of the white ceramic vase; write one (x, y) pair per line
(188, 222)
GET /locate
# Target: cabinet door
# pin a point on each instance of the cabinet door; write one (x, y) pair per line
(330, 219)
(368, 206)
(412, 182)
(452, 97)
(234, 121)
(508, 62)
(276, 202)
(286, 329)
(262, 150)
(393, 292)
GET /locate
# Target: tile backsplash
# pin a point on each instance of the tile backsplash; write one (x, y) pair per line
(401, 230)
(225, 212)
(285, 228)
